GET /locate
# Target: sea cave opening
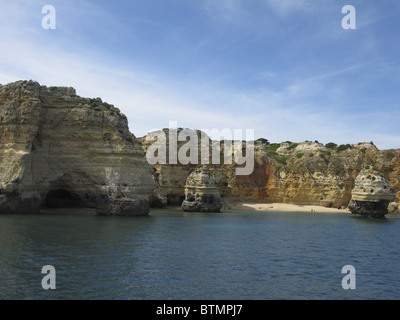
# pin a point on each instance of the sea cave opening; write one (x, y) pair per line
(62, 198)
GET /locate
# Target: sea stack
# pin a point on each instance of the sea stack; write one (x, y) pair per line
(201, 192)
(371, 194)
(60, 150)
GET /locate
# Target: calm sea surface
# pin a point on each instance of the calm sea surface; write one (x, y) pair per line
(176, 255)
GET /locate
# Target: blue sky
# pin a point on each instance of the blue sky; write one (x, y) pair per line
(285, 68)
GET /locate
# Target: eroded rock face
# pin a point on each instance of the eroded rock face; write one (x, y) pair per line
(393, 207)
(365, 146)
(287, 148)
(371, 194)
(309, 146)
(58, 149)
(201, 192)
(170, 177)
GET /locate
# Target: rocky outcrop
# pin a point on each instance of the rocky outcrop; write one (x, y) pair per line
(201, 192)
(371, 194)
(287, 148)
(365, 146)
(58, 149)
(171, 177)
(393, 207)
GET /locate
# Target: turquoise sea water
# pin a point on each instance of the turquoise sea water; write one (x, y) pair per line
(176, 255)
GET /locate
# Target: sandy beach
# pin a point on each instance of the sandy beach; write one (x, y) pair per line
(254, 206)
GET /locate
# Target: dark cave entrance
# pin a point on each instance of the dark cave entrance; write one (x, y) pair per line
(175, 200)
(62, 198)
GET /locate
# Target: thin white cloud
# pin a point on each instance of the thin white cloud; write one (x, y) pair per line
(286, 7)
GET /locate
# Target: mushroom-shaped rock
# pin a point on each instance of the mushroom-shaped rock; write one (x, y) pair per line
(371, 194)
(201, 192)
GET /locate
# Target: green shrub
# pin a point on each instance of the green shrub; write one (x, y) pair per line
(221, 158)
(311, 155)
(293, 146)
(331, 145)
(343, 147)
(263, 141)
(299, 155)
(363, 150)
(281, 160)
(272, 147)
(390, 155)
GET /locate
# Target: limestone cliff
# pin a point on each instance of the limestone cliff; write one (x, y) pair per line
(58, 149)
(311, 173)
(301, 173)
